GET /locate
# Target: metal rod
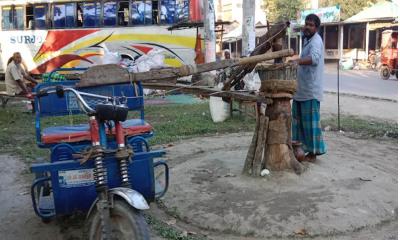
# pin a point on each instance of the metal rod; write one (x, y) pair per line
(338, 94)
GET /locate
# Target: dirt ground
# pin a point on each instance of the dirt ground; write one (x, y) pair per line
(17, 218)
(349, 193)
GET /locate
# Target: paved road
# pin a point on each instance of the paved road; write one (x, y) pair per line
(360, 82)
(360, 107)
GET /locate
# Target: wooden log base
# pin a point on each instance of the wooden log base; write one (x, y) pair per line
(279, 86)
(271, 146)
(276, 95)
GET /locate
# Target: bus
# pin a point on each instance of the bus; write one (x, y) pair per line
(55, 34)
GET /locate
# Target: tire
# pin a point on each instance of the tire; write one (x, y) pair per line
(385, 73)
(123, 218)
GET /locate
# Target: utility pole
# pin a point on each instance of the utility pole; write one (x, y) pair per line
(248, 27)
(209, 30)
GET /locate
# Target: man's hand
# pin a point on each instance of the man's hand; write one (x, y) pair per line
(34, 81)
(302, 61)
(29, 77)
(22, 86)
(294, 62)
(29, 95)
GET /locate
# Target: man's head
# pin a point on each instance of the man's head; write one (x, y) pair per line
(227, 54)
(17, 58)
(312, 23)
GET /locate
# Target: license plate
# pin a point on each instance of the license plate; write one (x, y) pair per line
(76, 178)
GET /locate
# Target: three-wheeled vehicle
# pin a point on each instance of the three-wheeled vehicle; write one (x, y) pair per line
(104, 168)
(389, 54)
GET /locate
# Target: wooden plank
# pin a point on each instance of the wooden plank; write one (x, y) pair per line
(207, 92)
(4, 94)
(248, 163)
(102, 73)
(260, 147)
(264, 143)
(114, 74)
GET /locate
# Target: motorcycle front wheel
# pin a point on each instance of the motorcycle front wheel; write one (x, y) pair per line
(126, 223)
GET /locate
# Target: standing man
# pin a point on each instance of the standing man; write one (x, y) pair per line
(15, 75)
(306, 126)
(227, 54)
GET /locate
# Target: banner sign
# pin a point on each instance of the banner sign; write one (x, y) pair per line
(327, 15)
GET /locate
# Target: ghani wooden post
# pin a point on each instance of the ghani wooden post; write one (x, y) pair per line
(271, 146)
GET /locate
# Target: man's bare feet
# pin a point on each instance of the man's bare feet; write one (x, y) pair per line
(310, 157)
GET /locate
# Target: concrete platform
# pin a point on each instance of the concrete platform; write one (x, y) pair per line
(352, 187)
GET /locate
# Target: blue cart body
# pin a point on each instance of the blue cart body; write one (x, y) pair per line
(64, 185)
(73, 187)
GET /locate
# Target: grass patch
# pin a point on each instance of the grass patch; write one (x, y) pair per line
(365, 128)
(17, 134)
(164, 230)
(177, 122)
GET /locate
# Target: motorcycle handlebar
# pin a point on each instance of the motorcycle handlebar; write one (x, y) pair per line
(60, 93)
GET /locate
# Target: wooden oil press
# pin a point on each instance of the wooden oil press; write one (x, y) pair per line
(271, 146)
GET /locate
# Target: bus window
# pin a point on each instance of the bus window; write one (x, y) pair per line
(7, 18)
(148, 13)
(18, 17)
(167, 11)
(182, 10)
(39, 14)
(64, 15)
(79, 15)
(91, 14)
(138, 12)
(70, 15)
(123, 13)
(12, 17)
(110, 13)
(154, 12)
(59, 16)
(29, 17)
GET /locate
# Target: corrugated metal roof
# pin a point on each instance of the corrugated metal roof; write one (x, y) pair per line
(384, 10)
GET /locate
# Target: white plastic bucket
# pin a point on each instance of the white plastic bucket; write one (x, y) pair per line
(219, 109)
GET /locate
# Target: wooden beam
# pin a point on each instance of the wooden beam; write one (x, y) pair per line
(238, 73)
(207, 92)
(114, 74)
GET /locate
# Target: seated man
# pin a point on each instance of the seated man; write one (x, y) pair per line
(15, 75)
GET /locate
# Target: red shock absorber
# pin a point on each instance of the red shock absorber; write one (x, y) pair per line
(94, 131)
(119, 134)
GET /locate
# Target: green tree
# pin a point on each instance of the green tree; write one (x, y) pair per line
(278, 10)
(282, 10)
(348, 8)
